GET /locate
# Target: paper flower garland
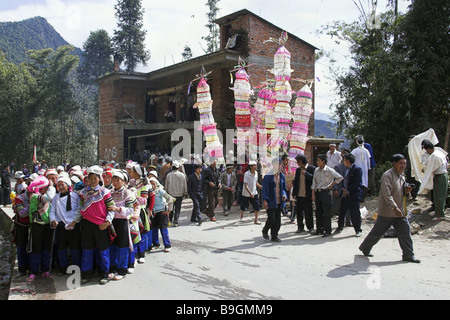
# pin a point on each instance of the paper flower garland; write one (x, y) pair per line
(299, 134)
(214, 147)
(243, 120)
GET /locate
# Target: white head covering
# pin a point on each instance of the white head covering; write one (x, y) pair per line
(64, 178)
(95, 169)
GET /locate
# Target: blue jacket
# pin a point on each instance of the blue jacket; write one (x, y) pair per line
(268, 190)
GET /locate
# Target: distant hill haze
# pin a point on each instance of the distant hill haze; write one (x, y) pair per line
(16, 38)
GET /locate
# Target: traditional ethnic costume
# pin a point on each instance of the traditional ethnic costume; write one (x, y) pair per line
(163, 203)
(141, 186)
(63, 210)
(93, 211)
(123, 221)
(41, 233)
(21, 206)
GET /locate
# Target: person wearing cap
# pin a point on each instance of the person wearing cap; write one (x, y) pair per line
(125, 220)
(250, 191)
(77, 178)
(62, 212)
(334, 157)
(141, 185)
(274, 193)
(21, 206)
(41, 231)
(176, 186)
(435, 177)
(160, 217)
(20, 186)
(52, 175)
(95, 212)
(107, 177)
(228, 181)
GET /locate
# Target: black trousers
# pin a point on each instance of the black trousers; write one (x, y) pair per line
(323, 210)
(68, 238)
(213, 202)
(355, 214)
(92, 236)
(304, 209)
(273, 222)
(199, 204)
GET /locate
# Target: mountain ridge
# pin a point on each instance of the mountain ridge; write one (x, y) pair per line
(17, 37)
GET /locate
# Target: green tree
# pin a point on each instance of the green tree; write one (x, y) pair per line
(187, 53)
(129, 37)
(54, 73)
(212, 39)
(379, 96)
(97, 56)
(16, 95)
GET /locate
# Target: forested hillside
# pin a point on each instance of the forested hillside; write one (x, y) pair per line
(16, 38)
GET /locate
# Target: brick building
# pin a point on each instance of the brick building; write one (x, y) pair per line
(132, 105)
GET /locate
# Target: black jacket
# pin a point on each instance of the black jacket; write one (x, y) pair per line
(211, 175)
(195, 186)
(6, 180)
(308, 182)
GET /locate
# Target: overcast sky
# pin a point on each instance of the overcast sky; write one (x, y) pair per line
(172, 24)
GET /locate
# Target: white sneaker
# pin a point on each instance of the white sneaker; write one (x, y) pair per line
(130, 270)
(141, 260)
(118, 277)
(167, 249)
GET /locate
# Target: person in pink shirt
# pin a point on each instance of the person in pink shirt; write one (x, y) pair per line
(95, 212)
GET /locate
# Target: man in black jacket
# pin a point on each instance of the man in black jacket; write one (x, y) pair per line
(302, 192)
(351, 195)
(195, 186)
(212, 177)
(6, 185)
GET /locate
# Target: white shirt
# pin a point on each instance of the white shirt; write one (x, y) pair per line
(58, 210)
(333, 159)
(250, 180)
(324, 178)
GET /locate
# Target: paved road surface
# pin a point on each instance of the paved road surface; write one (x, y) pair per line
(229, 259)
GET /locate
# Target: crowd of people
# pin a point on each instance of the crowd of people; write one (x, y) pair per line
(106, 219)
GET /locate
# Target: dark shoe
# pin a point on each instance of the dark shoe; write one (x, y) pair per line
(275, 240)
(300, 231)
(358, 234)
(265, 236)
(326, 234)
(411, 259)
(317, 232)
(366, 253)
(338, 230)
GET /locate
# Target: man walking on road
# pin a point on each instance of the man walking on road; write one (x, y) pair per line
(274, 194)
(392, 211)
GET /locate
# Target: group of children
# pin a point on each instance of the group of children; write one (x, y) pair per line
(100, 219)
